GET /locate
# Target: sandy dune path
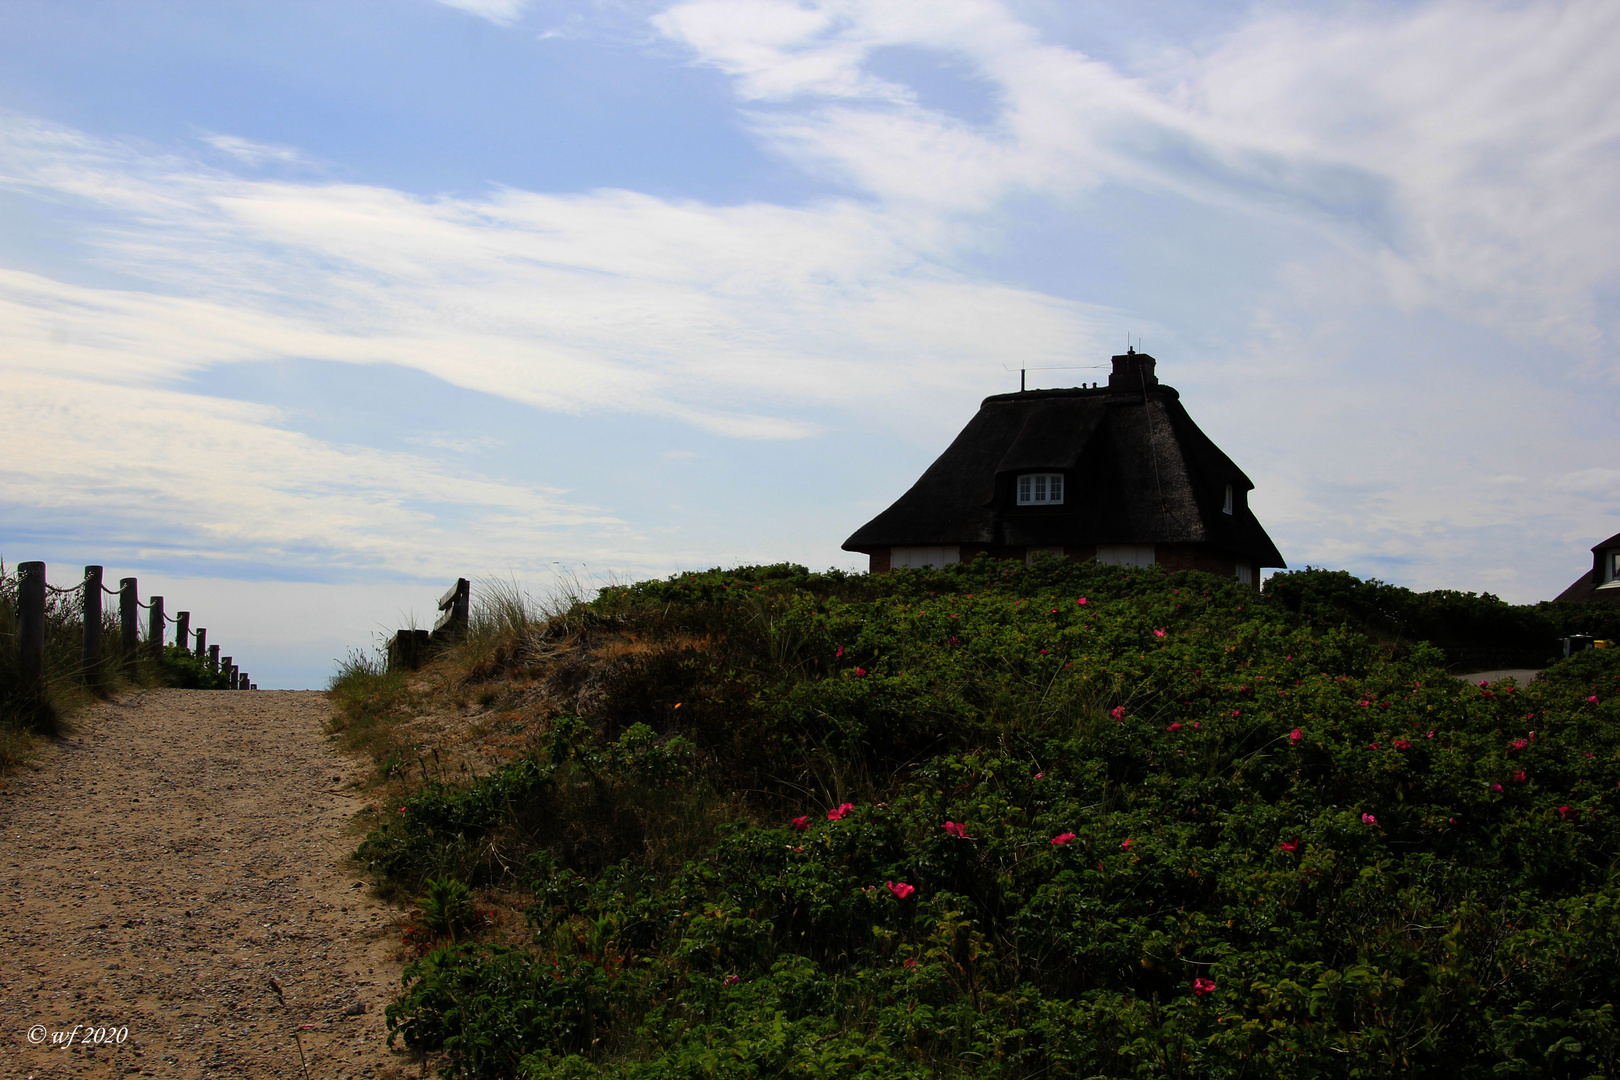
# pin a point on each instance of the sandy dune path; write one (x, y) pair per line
(175, 853)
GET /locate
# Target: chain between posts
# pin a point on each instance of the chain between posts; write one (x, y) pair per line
(33, 591)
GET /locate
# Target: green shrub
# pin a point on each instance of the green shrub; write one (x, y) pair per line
(1194, 831)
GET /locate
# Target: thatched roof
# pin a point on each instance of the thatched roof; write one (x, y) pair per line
(1586, 587)
(1137, 469)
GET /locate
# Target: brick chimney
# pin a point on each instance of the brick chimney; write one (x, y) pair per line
(1133, 371)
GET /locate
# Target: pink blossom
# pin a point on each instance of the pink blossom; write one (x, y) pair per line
(1483, 683)
(1372, 746)
(1295, 735)
(1126, 846)
(1368, 819)
(1402, 744)
(1082, 601)
(1202, 987)
(1196, 724)
(901, 890)
(802, 822)
(1519, 744)
(1174, 727)
(1158, 633)
(1518, 777)
(1592, 700)
(1040, 776)
(402, 809)
(1430, 735)
(1568, 812)
(910, 962)
(731, 980)
(957, 829)
(1496, 789)
(1364, 703)
(1062, 838)
(1117, 712)
(1290, 846)
(839, 653)
(843, 808)
(1237, 712)
(860, 673)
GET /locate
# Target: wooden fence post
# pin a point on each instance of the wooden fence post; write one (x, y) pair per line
(202, 642)
(182, 629)
(92, 622)
(155, 626)
(241, 680)
(225, 670)
(213, 658)
(31, 620)
(129, 621)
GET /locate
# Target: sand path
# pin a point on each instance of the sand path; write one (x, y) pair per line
(174, 854)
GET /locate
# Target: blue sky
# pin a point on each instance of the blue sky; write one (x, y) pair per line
(309, 308)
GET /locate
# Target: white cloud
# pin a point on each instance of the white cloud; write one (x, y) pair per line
(1474, 172)
(501, 12)
(219, 480)
(253, 153)
(611, 300)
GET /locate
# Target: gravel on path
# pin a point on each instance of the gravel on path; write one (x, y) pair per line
(175, 858)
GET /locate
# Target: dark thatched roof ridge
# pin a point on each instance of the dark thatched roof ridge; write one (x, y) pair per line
(1139, 471)
(1586, 587)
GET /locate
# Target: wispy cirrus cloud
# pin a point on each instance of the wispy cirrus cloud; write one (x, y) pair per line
(1425, 140)
(500, 12)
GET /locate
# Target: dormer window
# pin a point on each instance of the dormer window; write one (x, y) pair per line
(1226, 507)
(1040, 489)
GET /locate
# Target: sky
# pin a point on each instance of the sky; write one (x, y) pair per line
(309, 308)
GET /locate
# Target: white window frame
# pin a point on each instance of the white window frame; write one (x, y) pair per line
(915, 558)
(1040, 489)
(1127, 554)
(1243, 572)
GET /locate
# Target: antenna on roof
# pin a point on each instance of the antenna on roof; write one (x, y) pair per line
(1021, 379)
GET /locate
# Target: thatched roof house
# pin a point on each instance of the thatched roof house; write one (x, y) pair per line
(1120, 474)
(1602, 582)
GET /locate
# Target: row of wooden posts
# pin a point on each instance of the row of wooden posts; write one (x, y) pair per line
(31, 591)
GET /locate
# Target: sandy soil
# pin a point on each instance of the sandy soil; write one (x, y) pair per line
(177, 852)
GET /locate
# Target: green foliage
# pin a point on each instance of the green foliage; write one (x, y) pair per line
(444, 914)
(1196, 832)
(1477, 632)
(180, 667)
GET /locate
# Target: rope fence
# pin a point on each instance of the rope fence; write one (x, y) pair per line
(32, 589)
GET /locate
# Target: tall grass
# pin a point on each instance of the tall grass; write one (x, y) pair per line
(32, 711)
